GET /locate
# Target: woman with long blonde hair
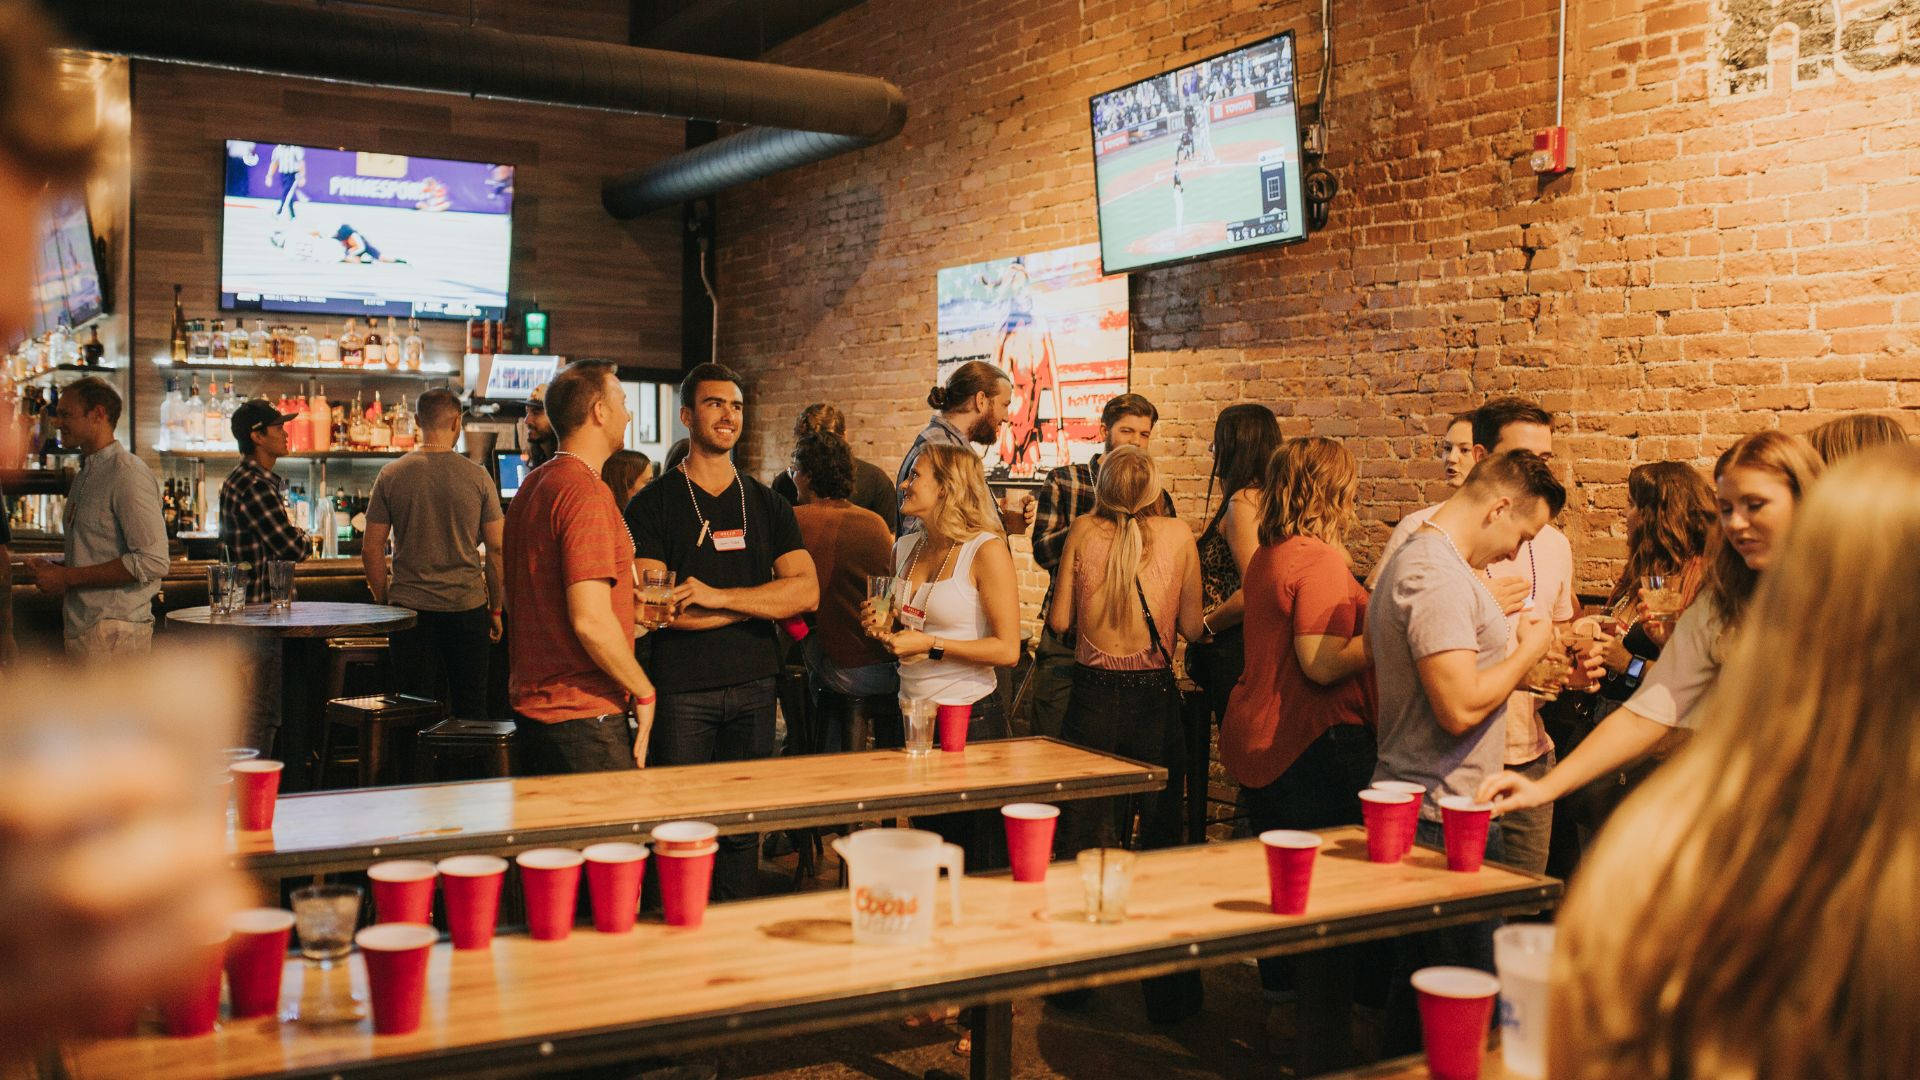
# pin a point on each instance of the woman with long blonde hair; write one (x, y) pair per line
(1850, 434)
(1128, 580)
(1758, 482)
(1750, 911)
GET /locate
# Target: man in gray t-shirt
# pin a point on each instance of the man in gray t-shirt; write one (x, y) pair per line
(1439, 639)
(439, 508)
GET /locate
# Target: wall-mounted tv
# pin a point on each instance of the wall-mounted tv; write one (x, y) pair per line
(348, 232)
(1200, 161)
(66, 287)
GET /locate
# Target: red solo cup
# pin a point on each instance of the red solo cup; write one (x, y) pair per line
(193, 1008)
(256, 786)
(953, 721)
(686, 879)
(402, 890)
(1464, 824)
(1456, 1006)
(614, 871)
(256, 955)
(1410, 820)
(472, 887)
(1290, 857)
(1385, 815)
(396, 955)
(683, 836)
(1030, 838)
(551, 879)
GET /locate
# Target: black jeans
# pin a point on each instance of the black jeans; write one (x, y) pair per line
(729, 723)
(1134, 714)
(979, 833)
(1319, 791)
(583, 745)
(445, 656)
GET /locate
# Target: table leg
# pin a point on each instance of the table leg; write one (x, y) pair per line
(992, 1057)
(1198, 720)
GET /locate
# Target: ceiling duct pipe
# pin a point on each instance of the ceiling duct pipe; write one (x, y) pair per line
(795, 115)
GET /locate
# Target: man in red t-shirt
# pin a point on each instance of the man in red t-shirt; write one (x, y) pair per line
(570, 591)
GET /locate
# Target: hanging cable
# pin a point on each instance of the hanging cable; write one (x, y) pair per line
(1319, 184)
(713, 301)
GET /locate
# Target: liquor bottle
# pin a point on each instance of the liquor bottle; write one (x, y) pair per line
(475, 344)
(379, 428)
(299, 434)
(218, 344)
(395, 359)
(239, 345)
(503, 337)
(415, 351)
(195, 421)
(169, 509)
(49, 427)
(357, 434)
(165, 442)
(177, 346)
(261, 343)
(93, 353)
(338, 440)
(201, 338)
(353, 347)
(405, 430)
(491, 330)
(306, 351)
(376, 345)
(320, 419)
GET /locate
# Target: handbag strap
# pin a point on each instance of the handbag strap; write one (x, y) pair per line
(1152, 630)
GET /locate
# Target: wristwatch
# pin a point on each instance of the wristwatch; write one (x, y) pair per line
(938, 652)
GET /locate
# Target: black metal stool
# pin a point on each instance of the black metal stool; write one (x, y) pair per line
(345, 654)
(376, 721)
(486, 743)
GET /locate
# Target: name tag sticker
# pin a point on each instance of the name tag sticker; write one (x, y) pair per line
(730, 540)
(913, 618)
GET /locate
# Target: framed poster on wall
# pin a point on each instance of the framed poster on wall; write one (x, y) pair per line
(1059, 329)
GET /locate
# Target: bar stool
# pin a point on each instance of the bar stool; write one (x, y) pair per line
(345, 654)
(485, 743)
(1196, 718)
(375, 720)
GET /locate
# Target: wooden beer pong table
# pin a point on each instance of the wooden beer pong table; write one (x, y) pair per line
(764, 968)
(322, 832)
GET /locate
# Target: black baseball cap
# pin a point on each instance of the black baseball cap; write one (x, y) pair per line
(255, 415)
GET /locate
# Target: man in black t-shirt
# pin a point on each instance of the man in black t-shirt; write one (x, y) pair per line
(739, 567)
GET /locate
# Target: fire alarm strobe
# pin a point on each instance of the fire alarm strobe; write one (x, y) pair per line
(1552, 151)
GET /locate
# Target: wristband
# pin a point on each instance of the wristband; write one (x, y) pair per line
(1204, 625)
(648, 700)
(497, 612)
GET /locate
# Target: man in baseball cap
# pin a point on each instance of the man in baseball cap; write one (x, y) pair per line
(256, 529)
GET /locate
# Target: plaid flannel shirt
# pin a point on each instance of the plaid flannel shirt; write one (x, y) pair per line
(255, 525)
(1067, 494)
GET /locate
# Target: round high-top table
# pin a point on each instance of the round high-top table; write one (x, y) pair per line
(300, 634)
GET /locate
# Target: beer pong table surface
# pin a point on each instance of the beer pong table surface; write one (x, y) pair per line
(766, 967)
(343, 830)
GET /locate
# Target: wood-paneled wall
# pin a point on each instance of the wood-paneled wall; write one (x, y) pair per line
(613, 289)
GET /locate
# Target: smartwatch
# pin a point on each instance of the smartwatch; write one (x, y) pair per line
(938, 652)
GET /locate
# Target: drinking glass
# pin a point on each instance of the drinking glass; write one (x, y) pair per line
(1548, 675)
(656, 598)
(1107, 875)
(1577, 639)
(324, 917)
(916, 718)
(218, 591)
(279, 586)
(881, 591)
(1661, 594)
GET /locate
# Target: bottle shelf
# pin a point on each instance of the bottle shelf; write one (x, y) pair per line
(316, 455)
(43, 378)
(424, 374)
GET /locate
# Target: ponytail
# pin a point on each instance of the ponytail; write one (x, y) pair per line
(937, 397)
(1128, 487)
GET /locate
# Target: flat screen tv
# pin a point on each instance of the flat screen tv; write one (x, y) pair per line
(66, 287)
(347, 232)
(1200, 161)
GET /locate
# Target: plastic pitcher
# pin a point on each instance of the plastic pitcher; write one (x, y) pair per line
(892, 875)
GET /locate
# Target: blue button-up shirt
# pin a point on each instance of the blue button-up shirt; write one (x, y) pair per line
(113, 515)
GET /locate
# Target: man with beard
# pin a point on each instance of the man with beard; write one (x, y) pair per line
(740, 566)
(536, 437)
(972, 409)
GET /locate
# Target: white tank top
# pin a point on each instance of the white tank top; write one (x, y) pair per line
(954, 613)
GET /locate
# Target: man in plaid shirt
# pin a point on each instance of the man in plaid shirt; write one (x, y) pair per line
(1126, 420)
(255, 528)
(254, 524)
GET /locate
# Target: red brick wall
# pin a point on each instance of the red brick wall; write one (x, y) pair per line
(1737, 249)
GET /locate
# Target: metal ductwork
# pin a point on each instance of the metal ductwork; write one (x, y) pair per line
(796, 115)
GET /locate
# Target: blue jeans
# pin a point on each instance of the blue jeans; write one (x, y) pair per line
(1455, 946)
(731, 723)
